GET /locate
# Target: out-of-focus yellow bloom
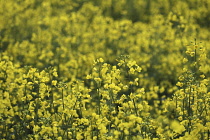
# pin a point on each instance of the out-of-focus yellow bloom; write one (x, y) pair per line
(55, 74)
(54, 82)
(101, 60)
(177, 127)
(180, 84)
(36, 128)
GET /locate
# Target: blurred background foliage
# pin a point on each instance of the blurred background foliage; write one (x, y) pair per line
(70, 34)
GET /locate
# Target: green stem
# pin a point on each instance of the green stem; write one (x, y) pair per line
(62, 98)
(195, 59)
(99, 102)
(189, 103)
(64, 122)
(135, 108)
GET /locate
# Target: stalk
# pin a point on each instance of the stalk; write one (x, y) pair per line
(99, 102)
(135, 108)
(62, 99)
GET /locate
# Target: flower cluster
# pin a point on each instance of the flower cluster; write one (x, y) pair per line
(101, 70)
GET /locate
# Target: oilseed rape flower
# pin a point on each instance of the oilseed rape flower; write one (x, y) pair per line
(176, 127)
(93, 70)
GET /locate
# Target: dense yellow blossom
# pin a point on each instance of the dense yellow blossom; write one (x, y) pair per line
(104, 70)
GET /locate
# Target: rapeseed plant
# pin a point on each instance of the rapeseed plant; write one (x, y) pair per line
(104, 70)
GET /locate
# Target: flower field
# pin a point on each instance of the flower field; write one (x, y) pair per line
(104, 69)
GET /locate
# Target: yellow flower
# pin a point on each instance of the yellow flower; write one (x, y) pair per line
(126, 131)
(54, 82)
(180, 84)
(180, 118)
(140, 107)
(36, 136)
(36, 128)
(136, 81)
(13, 136)
(102, 129)
(132, 96)
(202, 76)
(116, 133)
(177, 127)
(101, 60)
(97, 79)
(138, 69)
(125, 87)
(131, 63)
(132, 70)
(55, 74)
(88, 76)
(192, 54)
(79, 136)
(28, 117)
(60, 138)
(185, 60)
